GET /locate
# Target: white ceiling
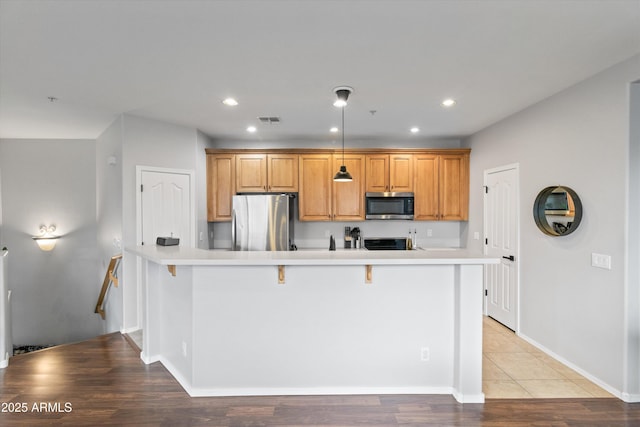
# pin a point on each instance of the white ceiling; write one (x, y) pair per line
(176, 61)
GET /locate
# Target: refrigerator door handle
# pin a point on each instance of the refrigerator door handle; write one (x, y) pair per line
(233, 230)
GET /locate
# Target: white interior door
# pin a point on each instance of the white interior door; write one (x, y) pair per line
(166, 207)
(501, 241)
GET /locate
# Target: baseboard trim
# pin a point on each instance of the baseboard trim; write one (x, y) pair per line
(129, 330)
(630, 397)
(617, 393)
(149, 360)
(313, 391)
(306, 391)
(468, 398)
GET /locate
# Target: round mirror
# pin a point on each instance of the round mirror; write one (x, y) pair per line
(557, 211)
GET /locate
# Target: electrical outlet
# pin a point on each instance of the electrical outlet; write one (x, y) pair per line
(425, 354)
(476, 235)
(201, 236)
(184, 349)
(601, 261)
(429, 232)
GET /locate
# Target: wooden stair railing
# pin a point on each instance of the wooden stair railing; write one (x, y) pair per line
(109, 277)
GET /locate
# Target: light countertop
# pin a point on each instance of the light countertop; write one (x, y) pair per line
(177, 255)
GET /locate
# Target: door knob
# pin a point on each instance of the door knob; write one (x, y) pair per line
(510, 257)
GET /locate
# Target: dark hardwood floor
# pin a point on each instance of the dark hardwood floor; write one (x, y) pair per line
(103, 382)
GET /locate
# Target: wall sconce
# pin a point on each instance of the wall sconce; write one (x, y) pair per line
(46, 240)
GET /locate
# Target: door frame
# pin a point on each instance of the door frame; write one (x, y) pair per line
(192, 208)
(487, 172)
(192, 226)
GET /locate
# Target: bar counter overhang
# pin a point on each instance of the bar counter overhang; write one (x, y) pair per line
(315, 322)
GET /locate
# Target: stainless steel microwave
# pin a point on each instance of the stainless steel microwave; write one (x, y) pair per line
(389, 205)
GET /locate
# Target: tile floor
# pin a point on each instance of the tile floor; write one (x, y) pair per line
(513, 368)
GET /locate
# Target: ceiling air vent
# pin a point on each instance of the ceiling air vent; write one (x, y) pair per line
(269, 120)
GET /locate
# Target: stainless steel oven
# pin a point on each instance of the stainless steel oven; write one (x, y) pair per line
(389, 205)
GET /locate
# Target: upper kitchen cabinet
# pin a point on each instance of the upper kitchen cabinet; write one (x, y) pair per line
(441, 187)
(220, 186)
(256, 173)
(282, 172)
(348, 197)
(315, 179)
(389, 172)
(454, 187)
(439, 179)
(426, 187)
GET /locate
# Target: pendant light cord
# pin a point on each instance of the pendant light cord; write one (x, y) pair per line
(343, 135)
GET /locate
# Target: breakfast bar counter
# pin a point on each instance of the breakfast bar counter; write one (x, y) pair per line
(230, 323)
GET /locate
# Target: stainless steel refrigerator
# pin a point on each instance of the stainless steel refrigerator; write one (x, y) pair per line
(262, 222)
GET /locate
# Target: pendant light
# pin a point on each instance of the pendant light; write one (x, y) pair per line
(342, 93)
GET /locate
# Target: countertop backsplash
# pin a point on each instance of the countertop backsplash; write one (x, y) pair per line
(315, 235)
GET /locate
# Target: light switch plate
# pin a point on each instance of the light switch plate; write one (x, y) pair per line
(601, 261)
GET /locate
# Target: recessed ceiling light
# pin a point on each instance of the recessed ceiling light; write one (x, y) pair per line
(449, 102)
(415, 129)
(230, 102)
(333, 129)
(251, 129)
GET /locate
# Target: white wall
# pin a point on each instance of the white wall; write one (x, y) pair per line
(577, 138)
(335, 142)
(54, 293)
(6, 342)
(109, 215)
(632, 374)
(202, 143)
(153, 143)
(315, 235)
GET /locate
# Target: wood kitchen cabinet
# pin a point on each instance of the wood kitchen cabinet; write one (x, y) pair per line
(389, 172)
(348, 197)
(439, 179)
(220, 186)
(316, 192)
(257, 173)
(323, 199)
(441, 187)
(454, 187)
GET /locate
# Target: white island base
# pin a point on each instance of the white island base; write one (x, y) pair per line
(340, 323)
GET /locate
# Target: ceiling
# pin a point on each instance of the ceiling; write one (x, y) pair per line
(176, 61)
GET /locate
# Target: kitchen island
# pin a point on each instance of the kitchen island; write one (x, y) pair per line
(315, 322)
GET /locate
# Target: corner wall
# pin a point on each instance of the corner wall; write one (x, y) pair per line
(109, 216)
(632, 312)
(577, 138)
(148, 142)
